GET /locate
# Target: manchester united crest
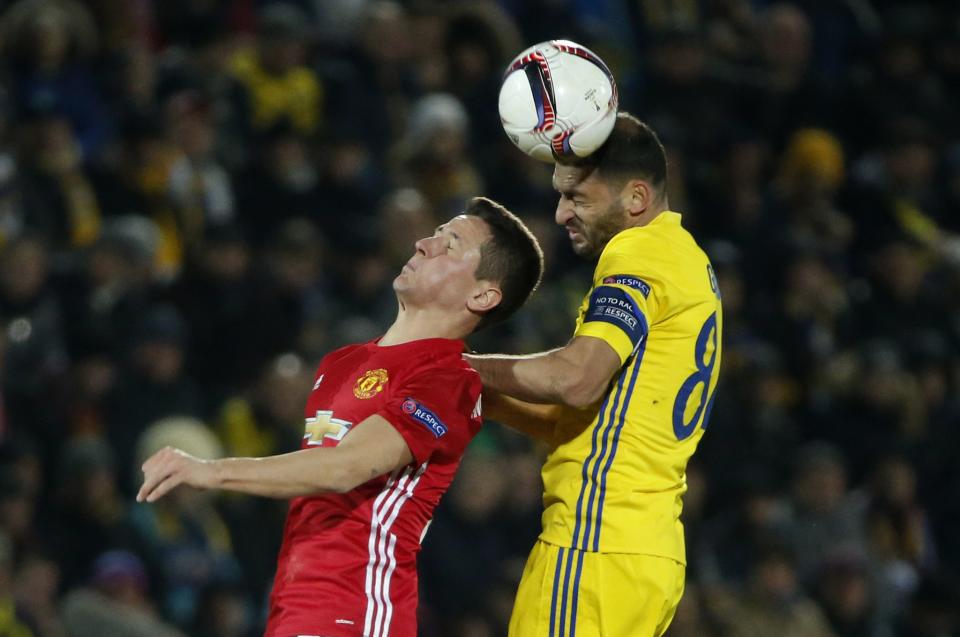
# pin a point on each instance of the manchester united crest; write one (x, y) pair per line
(370, 384)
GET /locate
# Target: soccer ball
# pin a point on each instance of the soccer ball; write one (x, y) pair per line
(558, 99)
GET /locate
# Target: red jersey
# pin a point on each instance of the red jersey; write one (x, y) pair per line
(347, 566)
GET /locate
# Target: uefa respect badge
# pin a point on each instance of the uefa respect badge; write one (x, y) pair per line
(424, 416)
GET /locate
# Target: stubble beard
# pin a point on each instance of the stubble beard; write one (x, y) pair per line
(597, 234)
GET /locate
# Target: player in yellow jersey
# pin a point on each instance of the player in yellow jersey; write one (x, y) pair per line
(622, 405)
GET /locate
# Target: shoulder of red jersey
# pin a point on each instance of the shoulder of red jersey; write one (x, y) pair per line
(452, 381)
(447, 363)
(341, 352)
(435, 408)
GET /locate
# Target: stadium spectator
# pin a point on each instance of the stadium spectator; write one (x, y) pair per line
(772, 603)
(277, 87)
(231, 160)
(116, 601)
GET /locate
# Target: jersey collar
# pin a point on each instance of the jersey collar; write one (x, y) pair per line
(440, 345)
(667, 217)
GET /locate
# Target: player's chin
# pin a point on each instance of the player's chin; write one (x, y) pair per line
(582, 247)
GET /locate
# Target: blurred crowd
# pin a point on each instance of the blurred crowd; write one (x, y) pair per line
(199, 198)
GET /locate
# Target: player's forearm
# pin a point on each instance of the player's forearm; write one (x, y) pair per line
(547, 378)
(529, 378)
(301, 473)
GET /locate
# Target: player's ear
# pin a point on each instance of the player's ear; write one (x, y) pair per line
(485, 297)
(637, 196)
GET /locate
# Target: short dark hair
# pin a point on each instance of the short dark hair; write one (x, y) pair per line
(632, 150)
(511, 256)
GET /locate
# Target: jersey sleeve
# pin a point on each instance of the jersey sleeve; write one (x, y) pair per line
(435, 410)
(624, 300)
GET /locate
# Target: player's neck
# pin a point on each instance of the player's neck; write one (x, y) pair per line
(648, 216)
(413, 324)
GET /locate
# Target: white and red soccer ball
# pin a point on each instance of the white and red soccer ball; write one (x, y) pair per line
(558, 99)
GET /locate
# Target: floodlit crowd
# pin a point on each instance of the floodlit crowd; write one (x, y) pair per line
(200, 199)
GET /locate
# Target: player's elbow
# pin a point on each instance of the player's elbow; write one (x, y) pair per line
(334, 475)
(349, 472)
(581, 392)
(341, 479)
(585, 368)
(340, 487)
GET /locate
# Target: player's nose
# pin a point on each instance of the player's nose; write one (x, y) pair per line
(564, 212)
(427, 246)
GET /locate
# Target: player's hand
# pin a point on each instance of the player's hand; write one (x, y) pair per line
(169, 468)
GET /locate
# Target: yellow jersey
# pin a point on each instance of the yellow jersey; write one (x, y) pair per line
(617, 485)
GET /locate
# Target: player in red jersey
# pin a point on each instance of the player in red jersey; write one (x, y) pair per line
(386, 425)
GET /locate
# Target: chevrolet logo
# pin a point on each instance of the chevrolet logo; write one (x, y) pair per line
(324, 425)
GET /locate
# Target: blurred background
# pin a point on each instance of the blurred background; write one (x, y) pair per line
(199, 198)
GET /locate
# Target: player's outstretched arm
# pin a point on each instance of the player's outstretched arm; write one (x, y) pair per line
(372, 449)
(534, 420)
(576, 375)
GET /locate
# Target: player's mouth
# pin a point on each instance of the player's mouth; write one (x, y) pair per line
(409, 266)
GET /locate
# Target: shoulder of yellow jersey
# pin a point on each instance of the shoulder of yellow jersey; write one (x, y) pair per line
(660, 259)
